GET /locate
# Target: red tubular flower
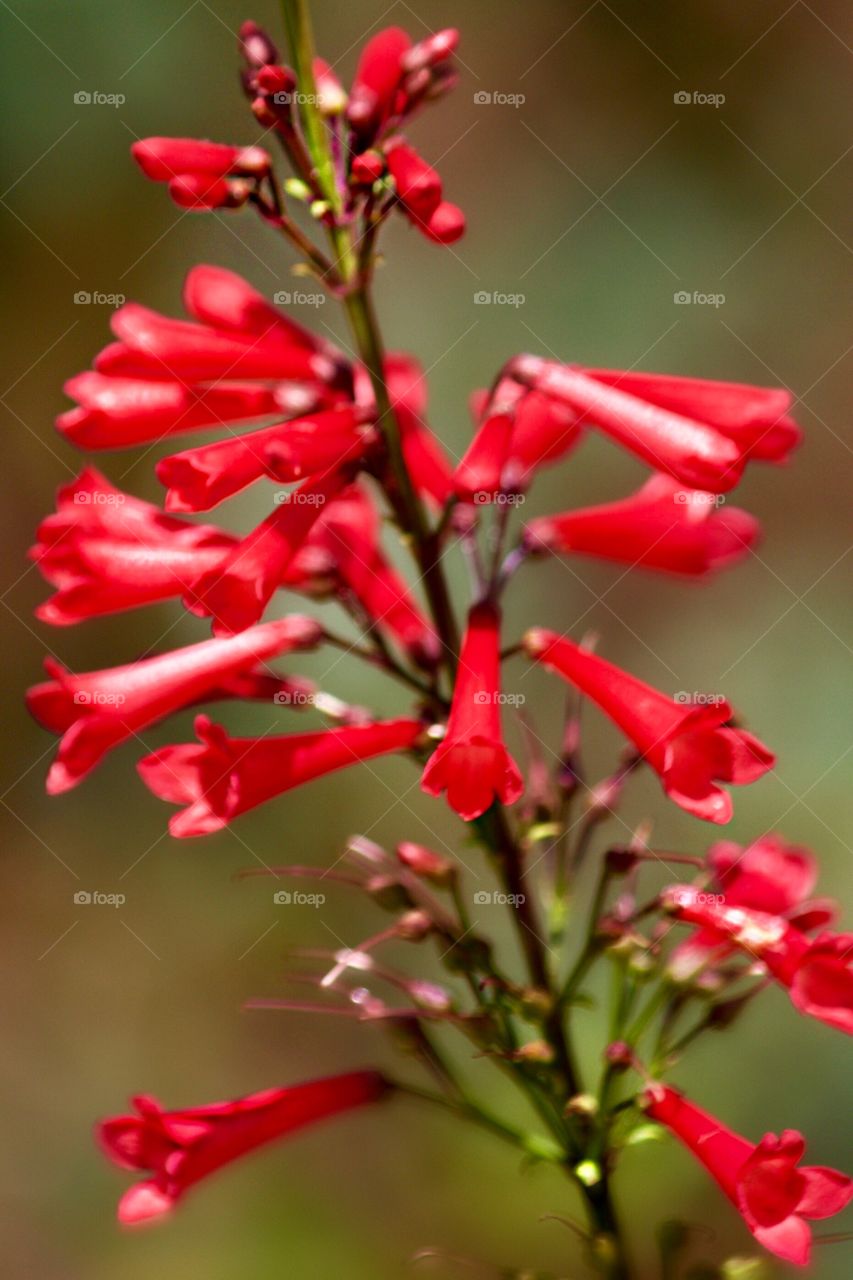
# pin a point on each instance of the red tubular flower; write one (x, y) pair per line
(377, 80)
(350, 530)
(235, 594)
(544, 430)
(705, 443)
(478, 477)
(772, 1194)
(690, 748)
(768, 875)
(818, 972)
(224, 300)
(198, 479)
(180, 1148)
(106, 551)
(161, 159)
(472, 764)
(661, 526)
(96, 711)
(119, 413)
(221, 777)
(756, 418)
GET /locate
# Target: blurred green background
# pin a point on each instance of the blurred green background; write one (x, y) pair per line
(598, 198)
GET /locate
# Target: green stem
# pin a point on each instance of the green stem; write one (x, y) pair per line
(301, 41)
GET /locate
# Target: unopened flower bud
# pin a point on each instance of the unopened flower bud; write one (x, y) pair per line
(255, 45)
(588, 1172)
(619, 1054)
(582, 1104)
(414, 926)
(426, 864)
(388, 893)
(534, 1051)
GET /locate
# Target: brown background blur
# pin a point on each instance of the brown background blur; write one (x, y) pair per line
(599, 198)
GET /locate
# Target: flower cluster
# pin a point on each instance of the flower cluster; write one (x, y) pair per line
(342, 440)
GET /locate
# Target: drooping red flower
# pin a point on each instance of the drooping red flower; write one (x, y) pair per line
(701, 432)
(420, 193)
(350, 530)
(97, 710)
(544, 430)
(818, 972)
(221, 777)
(479, 476)
(236, 593)
(240, 361)
(177, 1149)
(662, 526)
(691, 748)
(106, 551)
(769, 875)
(472, 763)
(200, 174)
(201, 478)
(773, 1193)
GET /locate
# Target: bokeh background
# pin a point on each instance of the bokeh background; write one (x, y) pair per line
(598, 198)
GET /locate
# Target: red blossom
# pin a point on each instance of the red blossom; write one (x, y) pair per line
(376, 82)
(818, 972)
(96, 711)
(201, 478)
(471, 763)
(180, 1148)
(221, 777)
(701, 432)
(691, 748)
(766, 1183)
(419, 191)
(662, 526)
(236, 593)
(768, 875)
